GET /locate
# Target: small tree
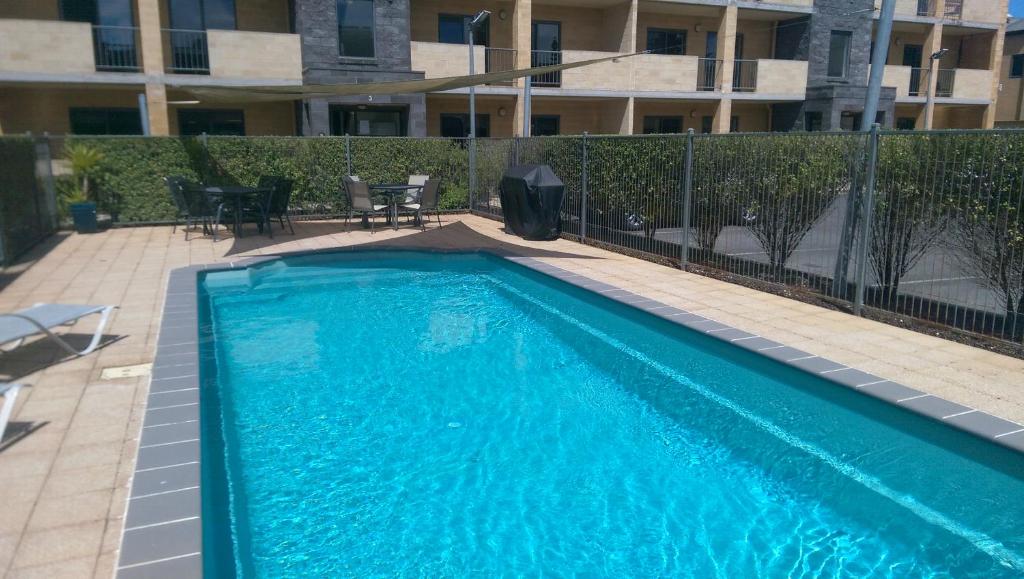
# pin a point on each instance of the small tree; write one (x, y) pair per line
(718, 185)
(909, 213)
(792, 182)
(987, 185)
(85, 162)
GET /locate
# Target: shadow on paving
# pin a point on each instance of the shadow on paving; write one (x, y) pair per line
(40, 352)
(9, 274)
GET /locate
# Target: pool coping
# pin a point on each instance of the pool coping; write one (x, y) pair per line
(162, 533)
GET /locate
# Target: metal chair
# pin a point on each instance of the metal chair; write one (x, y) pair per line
(428, 201)
(177, 185)
(278, 200)
(360, 201)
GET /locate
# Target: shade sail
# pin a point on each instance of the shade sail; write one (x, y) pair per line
(300, 92)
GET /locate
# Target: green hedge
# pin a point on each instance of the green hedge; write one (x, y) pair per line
(130, 180)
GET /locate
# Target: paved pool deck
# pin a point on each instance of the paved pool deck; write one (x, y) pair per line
(67, 462)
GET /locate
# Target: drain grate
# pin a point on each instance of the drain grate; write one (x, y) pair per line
(126, 371)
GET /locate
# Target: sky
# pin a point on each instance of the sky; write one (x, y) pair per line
(1017, 8)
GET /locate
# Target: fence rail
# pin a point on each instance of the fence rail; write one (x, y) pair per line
(189, 52)
(116, 48)
(923, 224)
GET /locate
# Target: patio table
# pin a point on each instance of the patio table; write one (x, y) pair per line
(393, 192)
(236, 195)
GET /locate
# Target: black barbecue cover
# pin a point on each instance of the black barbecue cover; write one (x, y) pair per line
(531, 200)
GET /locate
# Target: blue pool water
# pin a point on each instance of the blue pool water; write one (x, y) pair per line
(408, 414)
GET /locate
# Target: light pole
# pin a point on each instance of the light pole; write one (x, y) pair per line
(471, 26)
(932, 87)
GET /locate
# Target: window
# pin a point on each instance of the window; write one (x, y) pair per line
(368, 121)
(451, 29)
(456, 126)
(706, 124)
(663, 125)
(906, 123)
(839, 54)
(99, 121)
(666, 41)
(99, 12)
(544, 125)
(812, 121)
(202, 14)
(355, 28)
(193, 122)
(734, 124)
(1017, 66)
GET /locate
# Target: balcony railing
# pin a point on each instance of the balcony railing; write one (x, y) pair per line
(189, 51)
(116, 48)
(954, 8)
(918, 82)
(744, 76)
(546, 58)
(708, 72)
(500, 60)
(944, 82)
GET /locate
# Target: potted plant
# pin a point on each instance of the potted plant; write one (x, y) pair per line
(84, 161)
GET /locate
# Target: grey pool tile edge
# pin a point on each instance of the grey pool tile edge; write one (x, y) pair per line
(182, 300)
(1000, 431)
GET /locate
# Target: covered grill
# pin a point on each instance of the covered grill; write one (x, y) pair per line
(531, 201)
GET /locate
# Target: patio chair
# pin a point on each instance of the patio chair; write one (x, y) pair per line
(280, 197)
(360, 201)
(204, 206)
(429, 196)
(10, 394)
(177, 185)
(43, 318)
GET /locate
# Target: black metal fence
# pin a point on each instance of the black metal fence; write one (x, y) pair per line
(925, 224)
(28, 204)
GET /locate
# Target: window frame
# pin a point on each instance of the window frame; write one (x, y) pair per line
(1017, 65)
(659, 120)
(556, 118)
(73, 111)
(187, 111)
(812, 118)
(373, 32)
(342, 111)
(833, 35)
(483, 120)
(666, 32)
(478, 40)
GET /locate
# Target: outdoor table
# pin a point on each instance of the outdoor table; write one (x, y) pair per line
(236, 195)
(393, 192)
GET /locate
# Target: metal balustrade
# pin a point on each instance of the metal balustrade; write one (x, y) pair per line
(709, 73)
(115, 48)
(188, 51)
(500, 60)
(546, 58)
(945, 82)
(744, 76)
(919, 80)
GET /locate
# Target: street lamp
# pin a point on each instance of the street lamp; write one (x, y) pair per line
(471, 26)
(932, 87)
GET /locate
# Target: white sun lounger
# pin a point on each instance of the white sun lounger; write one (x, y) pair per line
(42, 318)
(10, 393)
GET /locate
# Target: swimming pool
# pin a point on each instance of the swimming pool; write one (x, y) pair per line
(398, 413)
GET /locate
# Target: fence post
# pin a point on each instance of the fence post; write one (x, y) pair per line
(204, 143)
(867, 207)
(583, 194)
(348, 154)
(684, 243)
(44, 172)
(472, 170)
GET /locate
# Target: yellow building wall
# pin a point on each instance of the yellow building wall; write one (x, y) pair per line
(261, 119)
(972, 51)
(758, 38)
(953, 117)
(597, 117)
(691, 112)
(47, 110)
(425, 18)
(1010, 105)
(584, 28)
(695, 41)
(501, 126)
(754, 117)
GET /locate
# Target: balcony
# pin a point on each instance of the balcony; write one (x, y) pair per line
(665, 72)
(781, 78)
(233, 54)
(442, 60)
(961, 83)
(58, 47)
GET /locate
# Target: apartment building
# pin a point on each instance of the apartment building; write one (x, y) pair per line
(119, 66)
(1010, 106)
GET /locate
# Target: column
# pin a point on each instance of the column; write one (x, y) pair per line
(522, 37)
(932, 44)
(995, 65)
(152, 50)
(727, 55)
(626, 127)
